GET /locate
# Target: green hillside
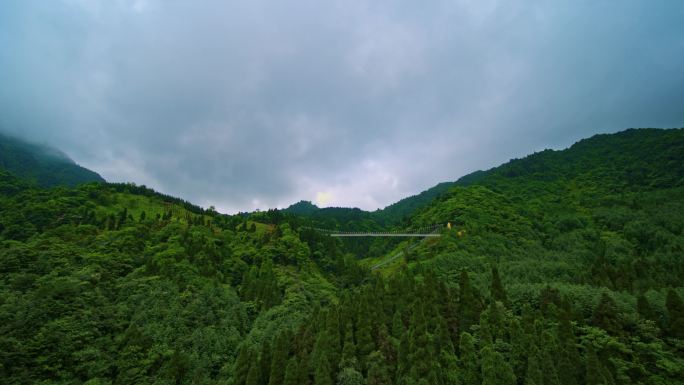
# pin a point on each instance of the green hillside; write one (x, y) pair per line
(44, 166)
(302, 208)
(563, 267)
(401, 210)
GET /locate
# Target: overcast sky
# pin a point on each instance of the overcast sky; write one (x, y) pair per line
(257, 104)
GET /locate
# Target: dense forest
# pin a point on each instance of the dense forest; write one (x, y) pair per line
(564, 267)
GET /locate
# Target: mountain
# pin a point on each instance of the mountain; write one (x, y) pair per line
(633, 159)
(45, 166)
(302, 208)
(391, 215)
(607, 211)
(563, 267)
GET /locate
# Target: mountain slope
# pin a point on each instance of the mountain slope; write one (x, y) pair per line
(635, 159)
(608, 210)
(563, 268)
(631, 158)
(400, 210)
(115, 283)
(42, 165)
(389, 216)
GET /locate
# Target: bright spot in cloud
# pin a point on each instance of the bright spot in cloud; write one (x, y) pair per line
(323, 198)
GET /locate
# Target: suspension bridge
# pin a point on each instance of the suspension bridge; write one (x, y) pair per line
(422, 232)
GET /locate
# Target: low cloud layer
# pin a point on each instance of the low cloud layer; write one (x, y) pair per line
(257, 104)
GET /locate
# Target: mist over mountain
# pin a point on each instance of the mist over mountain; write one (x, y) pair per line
(43, 165)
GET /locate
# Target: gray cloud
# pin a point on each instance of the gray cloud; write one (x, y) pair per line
(247, 104)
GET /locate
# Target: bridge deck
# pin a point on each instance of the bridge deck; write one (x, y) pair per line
(385, 235)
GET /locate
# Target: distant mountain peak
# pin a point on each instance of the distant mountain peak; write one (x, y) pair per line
(302, 208)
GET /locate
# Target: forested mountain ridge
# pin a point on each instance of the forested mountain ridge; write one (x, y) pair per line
(44, 166)
(631, 158)
(396, 212)
(634, 159)
(116, 283)
(595, 229)
(563, 268)
(616, 223)
(392, 215)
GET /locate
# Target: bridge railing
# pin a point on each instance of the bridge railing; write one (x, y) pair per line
(425, 231)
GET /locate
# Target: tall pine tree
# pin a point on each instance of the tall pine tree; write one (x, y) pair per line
(468, 360)
(495, 370)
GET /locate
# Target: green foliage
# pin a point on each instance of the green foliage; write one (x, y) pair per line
(93, 290)
(675, 314)
(495, 370)
(562, 268)
(469, 360)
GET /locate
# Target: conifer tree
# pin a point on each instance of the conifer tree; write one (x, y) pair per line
(403, 359)
(533, 374)
(350, 376)
(569, 366)
(249, 286)
(596, 372)
(332, 325)
(265, 289)
(548, 355)
(520, 348)
(253, 374)
(497, 290)
(442, 338)
(378, 370)
(496, 319)
(322, 373)
(386, 345)
(111, 222)
(451, 315)
(397, 325)
(303, 372)
(644, 308)
(123, 215)
(468, 360)
(349, 349)
(421, 355)
(291, 372)
(265, 362)
(566, 368)
(675, 314)
(484, 332)
(468, 304)
(605, 315)
(279, 359)
(320, 353)
(242, 365)
(364, 337)
(346, 313)
(495, 370)
(448, 369)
